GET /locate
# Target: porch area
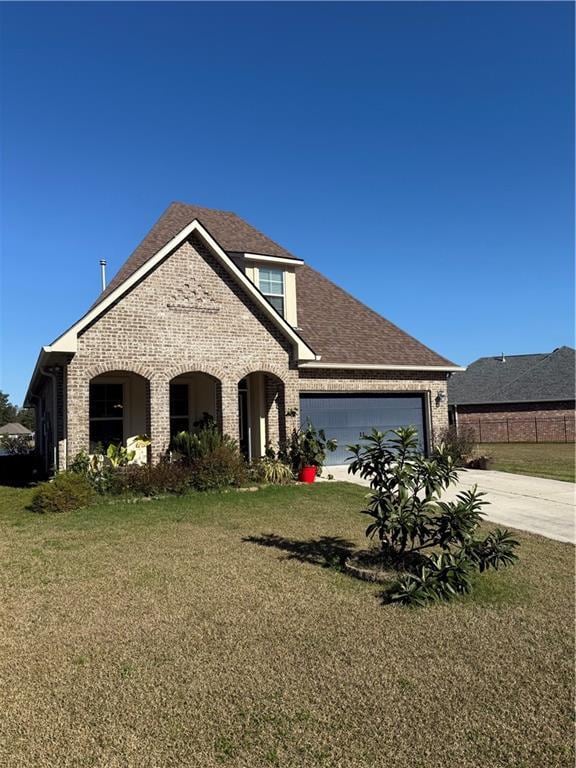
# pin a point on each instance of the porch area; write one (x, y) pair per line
(119, 406)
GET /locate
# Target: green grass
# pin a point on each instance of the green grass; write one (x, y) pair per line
(554, 460)
(217, 630)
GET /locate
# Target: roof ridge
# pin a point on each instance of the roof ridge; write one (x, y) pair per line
(240, 218)
(525, 354)
(201, 207)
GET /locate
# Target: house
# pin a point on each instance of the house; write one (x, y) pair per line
(516, 398)
(15, 430)
(209, 315)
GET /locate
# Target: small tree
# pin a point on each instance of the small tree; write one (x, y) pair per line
(432, 541)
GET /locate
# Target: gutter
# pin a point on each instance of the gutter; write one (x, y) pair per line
(377, 367)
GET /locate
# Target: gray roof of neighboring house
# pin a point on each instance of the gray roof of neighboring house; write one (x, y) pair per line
(14, 429)
(515, 379)
(335, 325)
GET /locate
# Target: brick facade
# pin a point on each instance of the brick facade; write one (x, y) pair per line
(188, 315)
(519, 422)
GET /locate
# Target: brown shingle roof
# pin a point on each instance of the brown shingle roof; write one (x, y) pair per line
(336, 325)
(343, 330)
(14, 428)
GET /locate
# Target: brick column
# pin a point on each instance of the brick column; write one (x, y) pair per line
(291, 403)
(230, 416)
(438, 413)
(78, 412)
(274, 410)
(159, 417)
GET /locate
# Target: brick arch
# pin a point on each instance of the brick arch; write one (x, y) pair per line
(259, 367)
(136, 368)
(184, 368)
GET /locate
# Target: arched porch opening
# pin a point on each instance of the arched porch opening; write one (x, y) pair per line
(261, 413)
(194, 396)
(119, 411)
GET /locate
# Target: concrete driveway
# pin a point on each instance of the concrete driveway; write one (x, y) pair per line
(532, 504)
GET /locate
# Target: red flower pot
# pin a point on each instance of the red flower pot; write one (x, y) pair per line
(307, 474)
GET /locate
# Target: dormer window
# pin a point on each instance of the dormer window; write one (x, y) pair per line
(271, 283)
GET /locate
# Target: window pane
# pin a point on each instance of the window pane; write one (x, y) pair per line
(272, 281)
(179, 400)
(277, 302)
(106, 432)
(106, 400)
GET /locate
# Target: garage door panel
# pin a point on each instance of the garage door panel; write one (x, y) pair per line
(347, 417)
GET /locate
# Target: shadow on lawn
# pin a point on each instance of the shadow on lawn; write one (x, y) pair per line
(327, 551)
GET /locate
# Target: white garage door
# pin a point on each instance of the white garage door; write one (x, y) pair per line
(346, 417)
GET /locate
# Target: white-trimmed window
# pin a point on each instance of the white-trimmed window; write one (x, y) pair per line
(271, 283)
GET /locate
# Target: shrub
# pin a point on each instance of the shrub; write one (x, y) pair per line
(408, 518)
(151, 480)
(65, 493)
(190, 447)
(101, 468)
(221, 468)
(80, 464)
(272, 471)
(458, 443)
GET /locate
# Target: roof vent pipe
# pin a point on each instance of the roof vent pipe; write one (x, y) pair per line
(103, 272)
(502, 358)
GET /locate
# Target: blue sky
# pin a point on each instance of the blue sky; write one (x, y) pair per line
(420, 155)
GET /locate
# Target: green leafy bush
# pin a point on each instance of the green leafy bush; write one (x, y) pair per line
(221, 468)
(191, 446)
(152, 480)
(409, 518)
(101, 468)
(65, 493)
(494, 551)
(442, 576)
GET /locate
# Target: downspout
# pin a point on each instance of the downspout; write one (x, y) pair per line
(51, 375)
(39, 437)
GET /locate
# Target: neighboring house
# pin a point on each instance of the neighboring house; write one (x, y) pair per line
(208, 315)
(15, 430)
(516, 398)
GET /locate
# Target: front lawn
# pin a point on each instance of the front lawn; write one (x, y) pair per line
(554, 460)
(217, 630)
